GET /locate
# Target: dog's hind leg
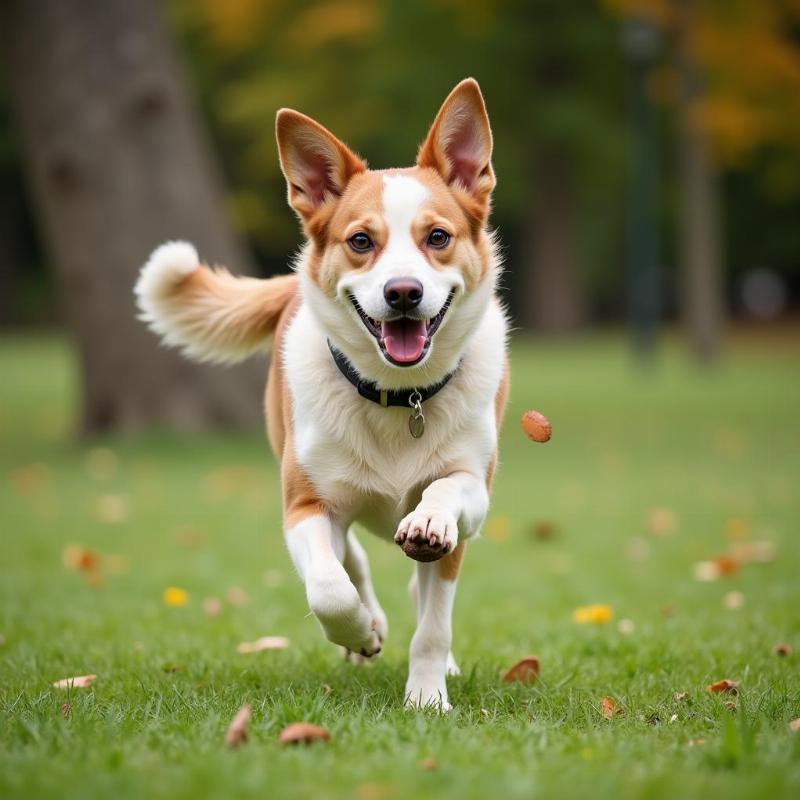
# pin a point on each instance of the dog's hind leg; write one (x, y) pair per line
(356, 565)
(317, 546)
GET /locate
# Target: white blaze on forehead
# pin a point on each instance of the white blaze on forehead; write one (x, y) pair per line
(402, 197)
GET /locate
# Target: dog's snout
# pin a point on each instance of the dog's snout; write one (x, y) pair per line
(403, 294)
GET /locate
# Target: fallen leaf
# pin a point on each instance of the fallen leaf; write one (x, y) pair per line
(609, 708)
(760, 552)
(794, 725)
(212, 606)
(597, 614)
(79, 682)
(626, 626)
(484, 712)
(429, 763)
(724, 685)
(78, 558)
(303, 732)
(111, 509)
(730, 705)
(65, 709)
(264, 643)
(237, 730)
(727, 565)
(238, 596)
(536, 426)
(524, 671)
(680, 696)
(733, 601)
(673, 718)
(173, 596)
(661, 521)
(327, 688)
(544, 529)
(706, 571)
(780, 649)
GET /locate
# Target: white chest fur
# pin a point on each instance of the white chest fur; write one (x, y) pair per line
(360, 456)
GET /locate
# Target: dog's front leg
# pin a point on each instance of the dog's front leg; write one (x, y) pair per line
(317, 547)
(450, 506)
(430, 646)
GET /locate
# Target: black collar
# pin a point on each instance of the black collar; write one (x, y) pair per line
(384, 397)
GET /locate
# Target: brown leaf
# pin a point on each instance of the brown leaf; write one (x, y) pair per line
(524, 671)
(661, 521)
(429, 763)
(237, 730)
(724, 685)
(65, 709)
(609, 708)
(730, 705)
(212, 606)
(536, 426)
(680, 696)
(794, 725)
(782, 649)
(303, 732)
(727, 565)
(544, 529)
(264, 643)
(79, 682)
(80, 559)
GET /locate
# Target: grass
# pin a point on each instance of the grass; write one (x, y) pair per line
(718, 448)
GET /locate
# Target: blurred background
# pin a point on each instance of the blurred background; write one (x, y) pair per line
(647, 154)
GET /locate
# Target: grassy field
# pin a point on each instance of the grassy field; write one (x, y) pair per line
(718, 452)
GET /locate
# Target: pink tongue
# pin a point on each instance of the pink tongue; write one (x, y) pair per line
(404, 339)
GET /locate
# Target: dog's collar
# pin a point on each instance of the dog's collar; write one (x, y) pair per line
(404, 398)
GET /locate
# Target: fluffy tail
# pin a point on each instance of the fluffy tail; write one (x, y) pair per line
(209, 313)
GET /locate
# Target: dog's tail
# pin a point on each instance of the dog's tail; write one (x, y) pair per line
(209, 313)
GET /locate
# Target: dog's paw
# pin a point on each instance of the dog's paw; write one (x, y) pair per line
(431, 695)
(435, 530)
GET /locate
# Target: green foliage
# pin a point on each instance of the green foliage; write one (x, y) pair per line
(203, 514)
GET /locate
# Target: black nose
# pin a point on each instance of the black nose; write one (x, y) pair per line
(403, 294)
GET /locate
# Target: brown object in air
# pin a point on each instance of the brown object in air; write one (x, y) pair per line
(536, 426)
(303, 732)
(524, 671)
(420, 550)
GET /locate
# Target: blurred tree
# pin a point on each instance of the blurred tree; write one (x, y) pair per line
(734, 81)
(118, 164)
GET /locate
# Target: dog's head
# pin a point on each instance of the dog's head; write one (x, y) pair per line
(399, 267)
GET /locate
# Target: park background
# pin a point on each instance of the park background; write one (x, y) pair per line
(648, 201)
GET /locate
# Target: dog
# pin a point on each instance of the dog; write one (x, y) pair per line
(389, 375)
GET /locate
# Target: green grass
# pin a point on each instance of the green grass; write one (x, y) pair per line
(711, 446)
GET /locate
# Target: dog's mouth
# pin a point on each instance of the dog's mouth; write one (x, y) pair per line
(404, 341)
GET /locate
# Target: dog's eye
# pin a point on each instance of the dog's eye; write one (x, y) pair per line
(360, 242)
(438, 238)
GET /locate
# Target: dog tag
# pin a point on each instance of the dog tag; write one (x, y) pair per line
(416, 422)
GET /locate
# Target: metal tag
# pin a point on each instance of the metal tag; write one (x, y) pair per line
(416, 422)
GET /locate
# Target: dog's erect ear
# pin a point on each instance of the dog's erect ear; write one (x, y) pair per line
(317, 166)
(459, 143)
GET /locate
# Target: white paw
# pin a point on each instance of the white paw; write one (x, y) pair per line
(437, 527)
(427, 695)
(343, 617)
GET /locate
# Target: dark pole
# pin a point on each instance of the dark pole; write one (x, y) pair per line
(641, 46)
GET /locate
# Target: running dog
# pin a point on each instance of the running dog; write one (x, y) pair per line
(389, 375)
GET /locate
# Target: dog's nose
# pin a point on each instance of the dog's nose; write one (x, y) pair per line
(403, 294)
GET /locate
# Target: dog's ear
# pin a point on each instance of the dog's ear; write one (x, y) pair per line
(317, 166)
(459, 143)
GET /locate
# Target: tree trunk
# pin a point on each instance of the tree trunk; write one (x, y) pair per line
(553, 299)
(702, 289)
(118, 163)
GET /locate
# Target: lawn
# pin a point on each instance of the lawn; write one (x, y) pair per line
(648, 473)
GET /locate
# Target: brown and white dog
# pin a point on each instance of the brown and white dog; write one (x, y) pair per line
(389, 377)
